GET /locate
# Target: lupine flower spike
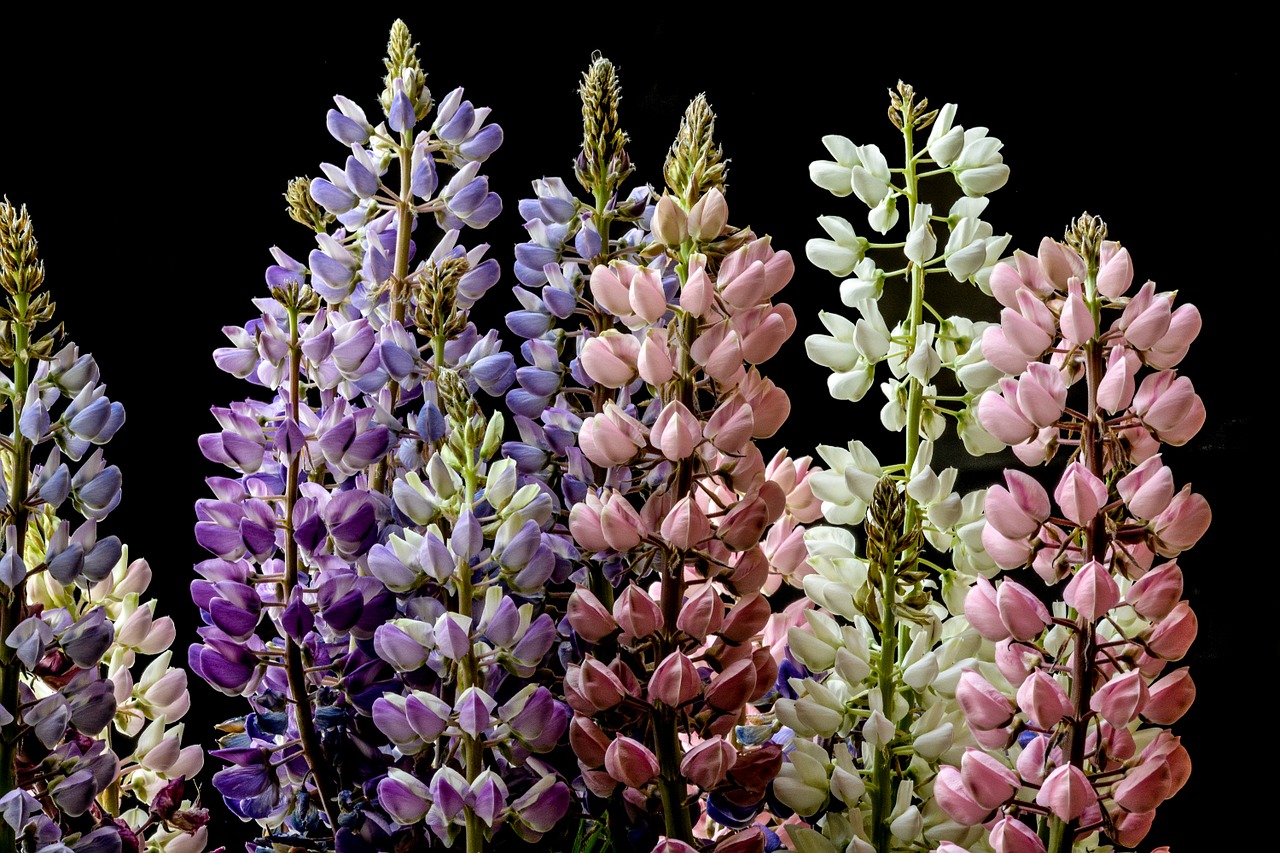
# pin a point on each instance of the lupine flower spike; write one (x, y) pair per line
(1072, 718)
(678, 522)
(84, 660)
(874, 654)
(375, 574)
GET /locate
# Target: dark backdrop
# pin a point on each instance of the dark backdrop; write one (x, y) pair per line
(154, 167)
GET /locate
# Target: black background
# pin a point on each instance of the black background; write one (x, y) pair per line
(153, 155)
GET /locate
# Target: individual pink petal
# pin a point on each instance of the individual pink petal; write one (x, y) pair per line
(707, 764)
(695, 293)
(998, 413)
(1067, 792)
(1146, 787)
(1184, 326)
(610, 358)
(746, 619)
(769, 404)
(676, 431)
(584, 524)
(1031, 761)
(1170, 698)
(987, 780)
(1092, 591)
(675, 681)
(1008, 553)
(1076, 321)
(1115, 391)
(1121, 699)
(686, 526)
(953, 797)
(981, 610)
(1014, 660)
(744, 524)
(1182, 523)
(599, 685)
(1169, 406)
(654, 361)
(1042, 394)
(1043, 700)
(1146, 318)
(630, 762)
(1080, 494)
(1022, 613)
(1023, 335)
(1147, 489)
(1169, 749)
(1154, 594)
(1132, 827)
(730, 425)
(1002, 354)
(731, 689)
(1173, 635)
(763, 341)
(620, 523)
(648, 299)
(589, 617)
(588, 741)
(702, 614)
(1115, 274)
(609, 291)
(984, 706)
(637, 613)
(1010, 835)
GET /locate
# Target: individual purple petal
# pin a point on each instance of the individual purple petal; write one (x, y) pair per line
(528, 324)
(88, 639)
(332, 197)
(453, 637)
(48, 718)
(484, 143)
(17, 807)
(91, 700)
(474, 709)
(459, 124)
(467, 538)
(404, 797)
(535, 256)
(29, 640)
(560, 303)
(587, 241)
(297, 620)
(424, 181)
(74, 793)
(344, 129)
(522, 402)
(362, 182)
(398, 363)
(401, 117)
(57, 487)
(477, 281)
(495, 373)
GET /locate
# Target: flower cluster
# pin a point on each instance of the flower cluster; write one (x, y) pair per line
(374, 572)
(75, 625)
(647, 435)
(873, 655)
(1072, 715)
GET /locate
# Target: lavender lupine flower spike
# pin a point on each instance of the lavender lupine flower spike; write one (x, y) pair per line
(874, 654)
(646, 434)
(75, 628)
(398, 567)
(1073, 714)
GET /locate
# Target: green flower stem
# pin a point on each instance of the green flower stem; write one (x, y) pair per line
(295, 665)
(597, 583)
(469, 671)
(11, 612)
